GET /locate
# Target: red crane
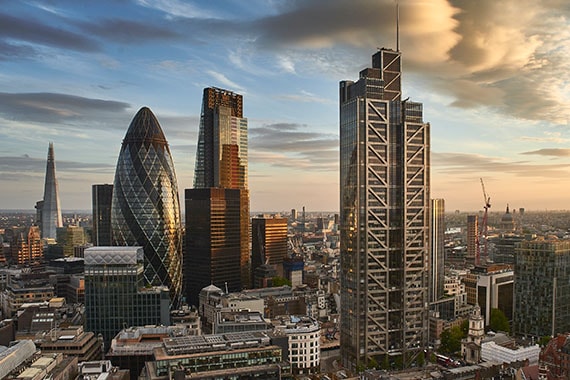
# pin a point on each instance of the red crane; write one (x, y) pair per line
(483, 229)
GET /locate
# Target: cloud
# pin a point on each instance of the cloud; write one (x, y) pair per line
(288, 145)
(306, 97)
(462, 164)
(29, 165)
(178, 8)
(10, 52)
(46, 107)
(129, 31)
(553, 152)
(29, 30)
(221, 78)
(550, 137)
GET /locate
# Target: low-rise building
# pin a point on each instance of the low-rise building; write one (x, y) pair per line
(235, 355)
(303, 349)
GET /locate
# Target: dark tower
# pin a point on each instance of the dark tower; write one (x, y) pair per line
(145, 208)
(102, 197)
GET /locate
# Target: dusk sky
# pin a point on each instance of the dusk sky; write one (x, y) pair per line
(494, 78)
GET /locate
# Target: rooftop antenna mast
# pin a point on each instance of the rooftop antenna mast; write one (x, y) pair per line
(397, 26)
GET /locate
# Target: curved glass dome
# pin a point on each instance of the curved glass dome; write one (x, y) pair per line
(145, 208)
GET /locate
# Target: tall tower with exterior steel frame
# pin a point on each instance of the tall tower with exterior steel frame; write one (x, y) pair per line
(51, 209)
(384, 206)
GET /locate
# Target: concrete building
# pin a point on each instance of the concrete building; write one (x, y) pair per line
(236, 355)
(491, 287)
(25, 288)
(303, 349)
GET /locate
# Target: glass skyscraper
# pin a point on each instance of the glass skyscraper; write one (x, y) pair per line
(384, 226)
(50, 208)
(102, 197)
(145, 207)
(437, 246)
(221, 163)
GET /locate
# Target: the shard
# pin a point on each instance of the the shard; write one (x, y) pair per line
(145, 207)
(51, 210)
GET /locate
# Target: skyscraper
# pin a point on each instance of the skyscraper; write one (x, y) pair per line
(102, 198)
(268, 241)
(221, 162)
(384, 204)
(145, 208)
(51, 210)
(213, 241)
(472, 238)
(542, 288)
(437, 244)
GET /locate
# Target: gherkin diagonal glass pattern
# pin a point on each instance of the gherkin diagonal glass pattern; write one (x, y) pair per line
(145, 206)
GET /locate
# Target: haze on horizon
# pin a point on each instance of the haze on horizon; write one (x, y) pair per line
(494, 79)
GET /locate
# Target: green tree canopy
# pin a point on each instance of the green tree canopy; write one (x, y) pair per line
(451, 340)
(280, 281)
(499, 321)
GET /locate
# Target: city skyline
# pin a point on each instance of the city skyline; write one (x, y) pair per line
(493, 78)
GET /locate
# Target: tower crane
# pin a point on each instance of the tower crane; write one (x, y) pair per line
(483, 230)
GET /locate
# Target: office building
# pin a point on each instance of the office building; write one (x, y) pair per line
(50, 208)
(437, 253)
(145, 207)
(102, 197)
(268, 241)
(542, 288)
(242, 355)
(490, 287)
(384, 233)
(213, 241)
(26, 248)
(302, 348)
(221, 174)
(115, 293)
(472, 238)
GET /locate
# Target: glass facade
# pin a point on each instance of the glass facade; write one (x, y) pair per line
(384, 225)
(51, 209)
(145, 207)
(102, 197)
(115, 295)
(542, 288)
(213, 240)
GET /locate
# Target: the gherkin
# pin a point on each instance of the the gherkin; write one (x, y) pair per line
(145, 206)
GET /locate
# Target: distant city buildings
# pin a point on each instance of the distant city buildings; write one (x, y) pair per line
(145, 207)
(384, 218)
(50, 208)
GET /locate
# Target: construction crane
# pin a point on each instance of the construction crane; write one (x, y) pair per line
(483, 230)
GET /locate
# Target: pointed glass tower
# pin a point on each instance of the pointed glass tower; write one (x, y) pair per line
(51, 210)
(145, 207)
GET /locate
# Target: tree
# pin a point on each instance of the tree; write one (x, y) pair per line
(499, 321)
(451, 340)
(372, 363)
(280, 281)
(386, 362)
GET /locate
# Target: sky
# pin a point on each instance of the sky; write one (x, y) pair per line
(494, 78)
